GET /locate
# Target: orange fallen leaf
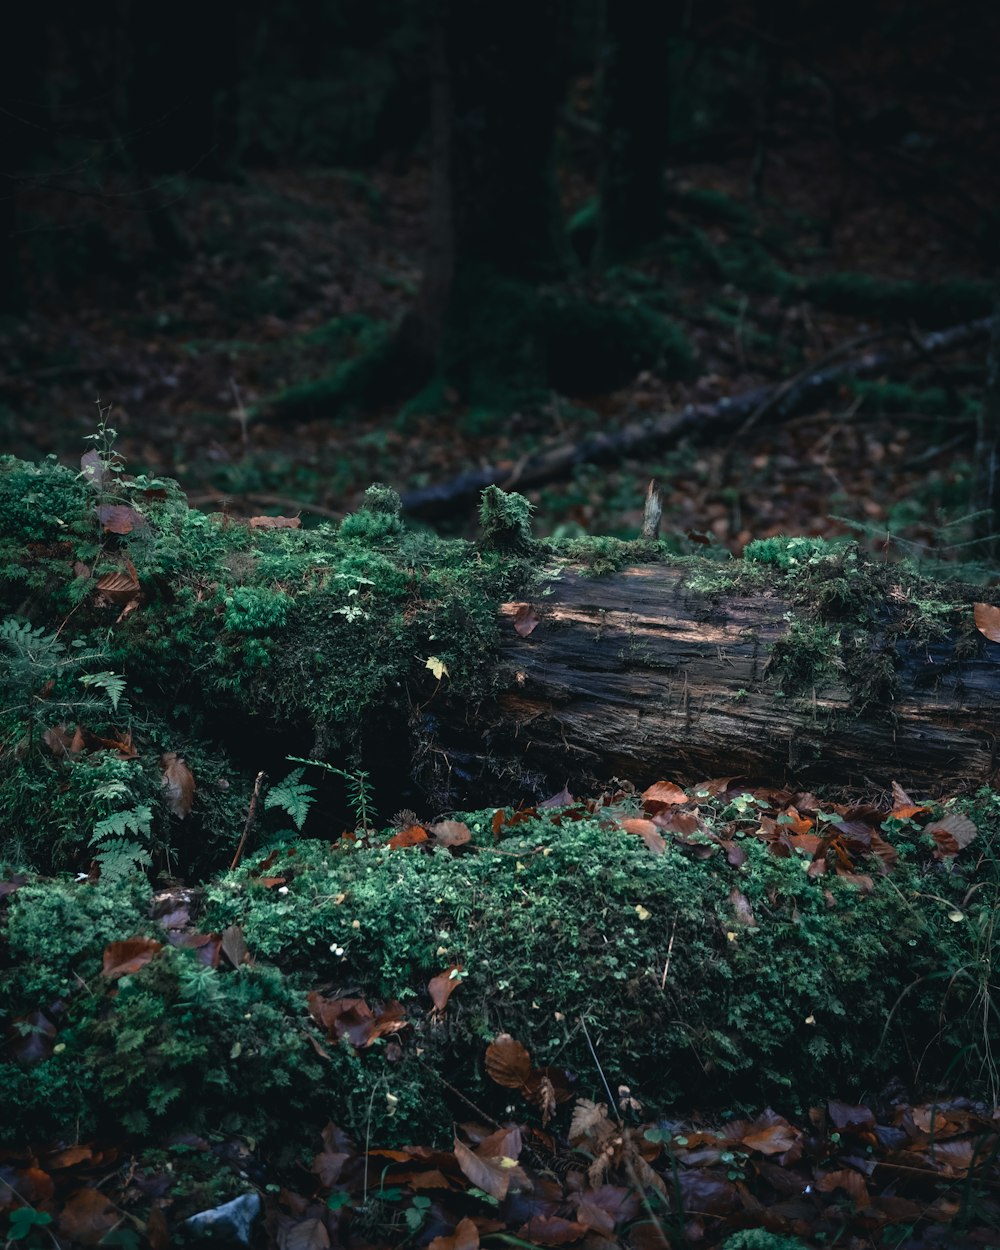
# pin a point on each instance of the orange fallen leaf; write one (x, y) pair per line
(987, 619)
(412, 835)
(121, 959)
(444, 985)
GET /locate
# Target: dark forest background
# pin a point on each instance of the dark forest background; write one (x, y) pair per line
(304, 245)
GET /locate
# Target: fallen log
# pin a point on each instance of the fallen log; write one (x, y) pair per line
(157, 660)
(703, 419)
(642, 675)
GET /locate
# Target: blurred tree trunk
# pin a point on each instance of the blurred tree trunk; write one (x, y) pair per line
(635, 100)
(496, 228)
(986, 502)
(24, 118)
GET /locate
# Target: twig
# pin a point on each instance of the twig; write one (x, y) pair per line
(251, 817)
(241, 415)
(637, 437)
(670, 948)
(653, 511)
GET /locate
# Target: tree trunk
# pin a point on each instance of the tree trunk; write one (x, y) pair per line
(986, 500)
(636, 106)
(637, 676)
(495, 227)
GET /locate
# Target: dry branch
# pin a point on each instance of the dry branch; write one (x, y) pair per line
(701, 419)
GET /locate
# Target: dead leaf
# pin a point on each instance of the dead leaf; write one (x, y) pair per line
(551, 1230)
(525, 619)
(489, 1175)
(987, 620)
(120, 587)
(508, 1063)
(119, 518)
(444, 985)
(465, 1237)
(589, 1118)
(771, 1134)
(662, 794)
(307, 1234)
(742, 909)
(647, 831)
(234, 946)
(352, 1018)
(851, 1182)
(437, 666)
(451, 833)
(121, 959)
(93, 468)
(86, 1217)
(178, 783)
(412, 835)
(952, 833)
(562, 799)
(275, 523)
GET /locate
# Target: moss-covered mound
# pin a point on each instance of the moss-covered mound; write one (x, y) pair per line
(711, 974)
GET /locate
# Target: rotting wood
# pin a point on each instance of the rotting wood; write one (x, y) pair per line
(634, 675)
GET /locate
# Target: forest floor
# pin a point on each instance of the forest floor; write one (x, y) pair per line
(289, 270)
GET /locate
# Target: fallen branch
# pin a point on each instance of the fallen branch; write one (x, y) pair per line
(640, 436)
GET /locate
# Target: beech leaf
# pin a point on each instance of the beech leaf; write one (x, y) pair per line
(123, 958)
(444, 985)
(178, 783)
(987, 620)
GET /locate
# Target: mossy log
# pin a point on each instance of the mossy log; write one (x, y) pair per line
(139, 631)
(641, 675)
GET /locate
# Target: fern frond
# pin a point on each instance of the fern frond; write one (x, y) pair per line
(294, 796)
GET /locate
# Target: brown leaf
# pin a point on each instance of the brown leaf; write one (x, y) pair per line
(465, 1237)
(647, 831)
(489, 1175)
(742, 909)
(505, 1143)
(178, 783)
(847, 1116)
(86, 1217)
(118, 586)
(92, 468)
(328, 1166)
(525, 619)
(307, 1234)
(851, 1182)
(234, 946)
(275, 522)
(952, 833)
(123, 958)
(771, 1134)
(589, 1118)
(353, 1019)
(551, 1230)
(662, 794)
(562, 799)
(412, 835)
(58, 739)
(119, 518)
(987, 620)
(444, 985)
(208, 946)
(451, 833)
(508, 1063)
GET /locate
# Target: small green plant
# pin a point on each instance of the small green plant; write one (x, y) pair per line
(359, 790)
(294, 796)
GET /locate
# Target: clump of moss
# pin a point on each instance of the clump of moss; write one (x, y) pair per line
(505, 520)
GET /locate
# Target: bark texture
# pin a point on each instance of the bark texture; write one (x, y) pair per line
(635, 675)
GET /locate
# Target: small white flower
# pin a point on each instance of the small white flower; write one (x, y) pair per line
(282, 889)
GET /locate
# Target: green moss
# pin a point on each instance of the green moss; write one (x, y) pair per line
(561, 916)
